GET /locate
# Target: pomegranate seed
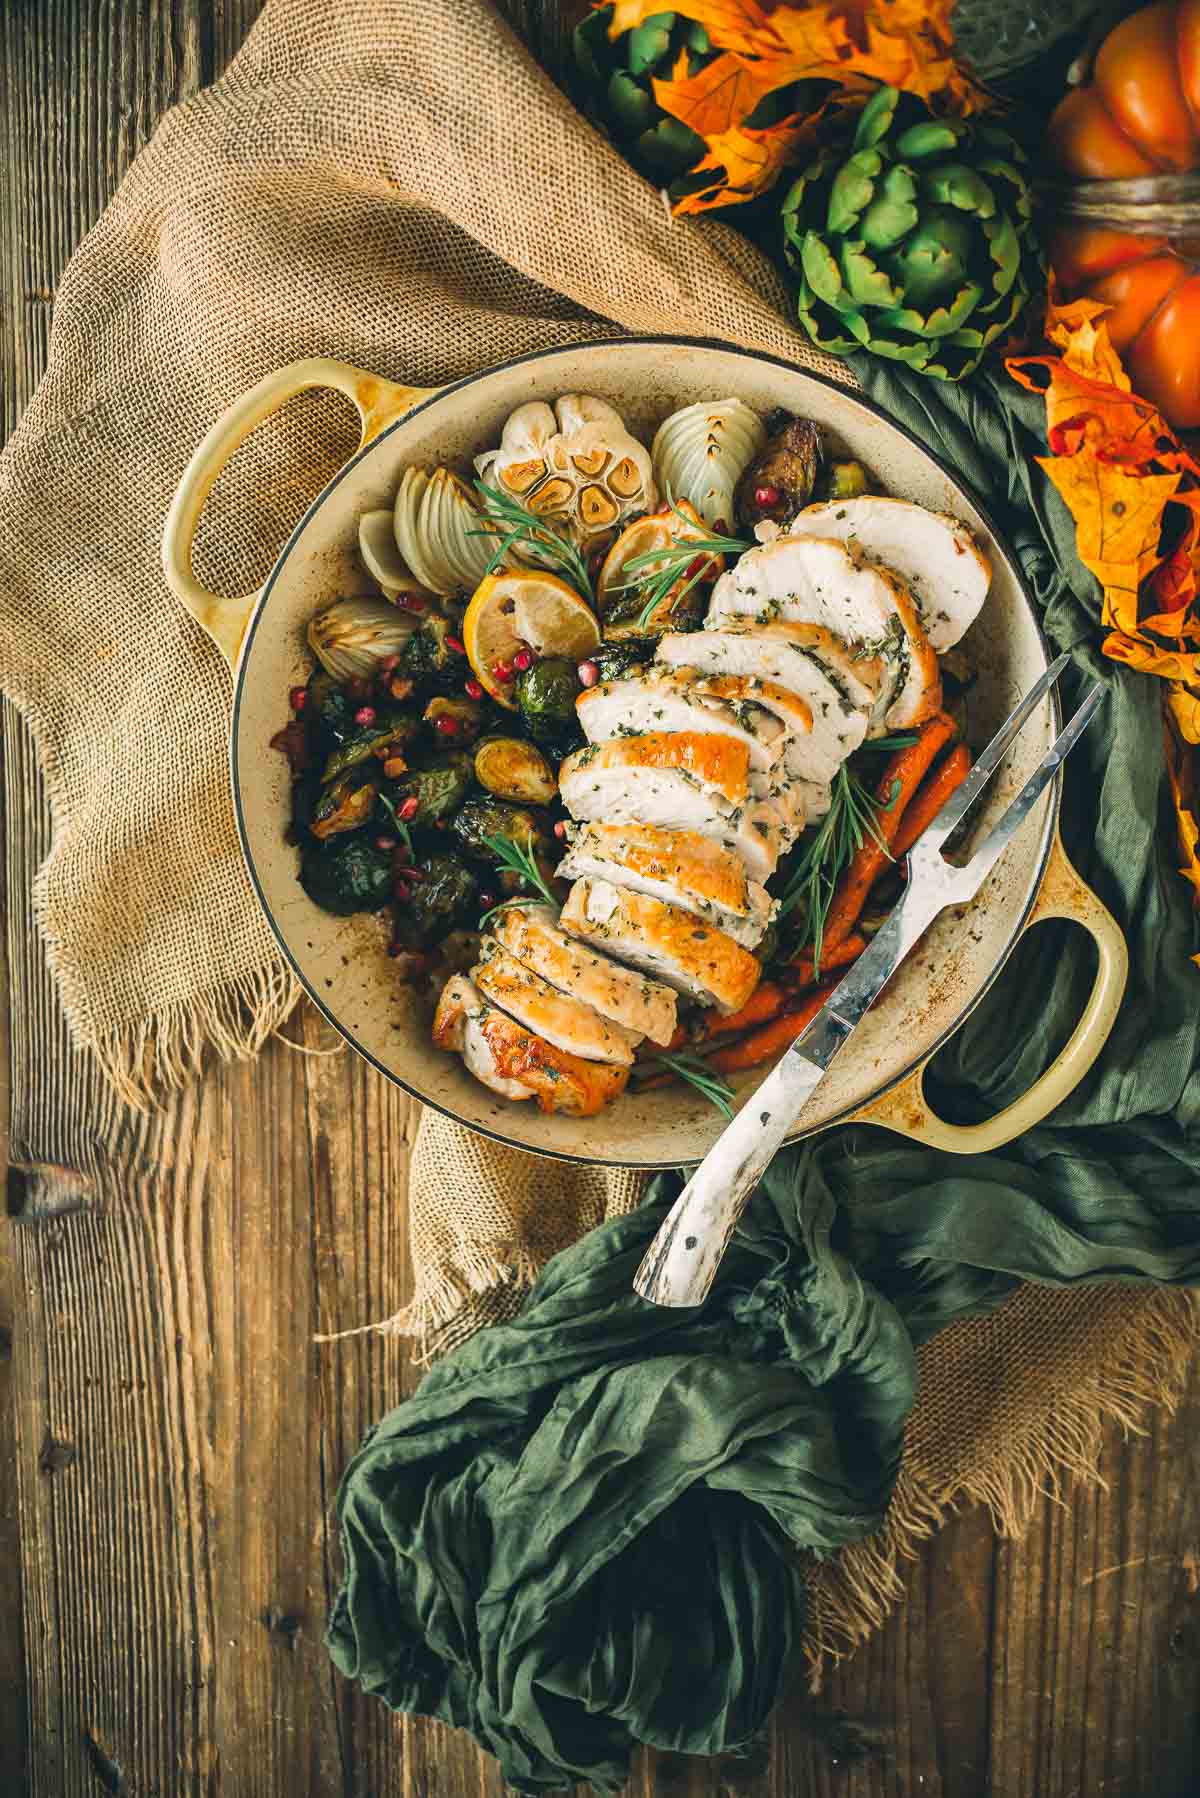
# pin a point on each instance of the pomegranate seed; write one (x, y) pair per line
(299, 698)
(560, 829)
(402, 871)
(486, 900)
(389, 664)
(455, 643)
(409, 809)
(696, 567)
(446, 727)
(472, 689)
(502, 671)
(366, 714)
(401, 890)
(589, 673)
(523, 660)
(385, 842)
(411, 602)
(722, 527)
(767, 495)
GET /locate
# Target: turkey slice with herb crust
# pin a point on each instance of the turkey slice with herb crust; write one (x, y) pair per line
(814, 580)
(712, 763)
(531, 933)
(781, 654)
(657, 699)
(672, 944)
(747, 695)
(456, 1026)
(933, 554)
(558, 1080)
(563, 1020)
(680, 867)
(596, 787)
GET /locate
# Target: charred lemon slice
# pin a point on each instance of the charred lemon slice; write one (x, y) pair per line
(633, 573)
(516, 616)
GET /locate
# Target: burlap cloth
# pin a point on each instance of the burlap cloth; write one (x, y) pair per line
(397, 184)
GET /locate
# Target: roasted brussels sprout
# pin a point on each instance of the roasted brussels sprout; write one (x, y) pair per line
(481, 818)
(546, 695)
(780, 481)
(439, 900)
(346, 876)
(463, 717)
(513, 768)
(439, 788)
(390, 731)
(343, 806)
(428, 656)
(329, 710)
(843, 480)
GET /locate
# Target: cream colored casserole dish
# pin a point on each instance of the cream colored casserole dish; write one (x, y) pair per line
(341, 962)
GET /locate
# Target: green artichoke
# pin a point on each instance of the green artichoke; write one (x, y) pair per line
(617, 78)
(914, 241)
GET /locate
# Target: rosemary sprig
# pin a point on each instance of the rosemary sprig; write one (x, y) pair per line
(518, 859)
(398, 825)
(657, 571)
(694, 1070)
(519, 527)
(853, 814)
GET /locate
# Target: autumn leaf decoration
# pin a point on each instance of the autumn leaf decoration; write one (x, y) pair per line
(1133, 490)
(854, 48)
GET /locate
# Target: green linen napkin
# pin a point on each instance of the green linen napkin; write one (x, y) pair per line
(580, 1534)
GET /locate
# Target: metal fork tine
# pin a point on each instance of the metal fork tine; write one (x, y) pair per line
(996, 841)
(961, 800)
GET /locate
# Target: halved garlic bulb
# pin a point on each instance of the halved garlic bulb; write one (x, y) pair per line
(573, 465)
(377, 546)
(701, 451)
(436, 524)
(351, 637)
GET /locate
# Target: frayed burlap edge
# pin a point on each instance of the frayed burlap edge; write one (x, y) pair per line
(458, 1301)
(852, 1594)
(167, 1050)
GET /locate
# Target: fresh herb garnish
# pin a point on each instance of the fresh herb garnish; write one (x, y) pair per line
(518, 859)
(657, 570)
(517, 527)
(854, 813)
(398, 825)
(695, 1071)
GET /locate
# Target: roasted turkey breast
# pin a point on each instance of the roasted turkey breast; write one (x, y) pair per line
(672, 944)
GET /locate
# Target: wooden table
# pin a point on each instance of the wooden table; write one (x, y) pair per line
(169, 1435)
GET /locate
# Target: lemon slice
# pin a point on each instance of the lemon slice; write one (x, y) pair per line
(667, 530)
(523, 607)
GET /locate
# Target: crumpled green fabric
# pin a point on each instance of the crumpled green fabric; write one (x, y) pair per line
(579, 1535)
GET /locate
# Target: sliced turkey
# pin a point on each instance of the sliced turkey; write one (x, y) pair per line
(531, 933)
(680, 867)
(656, 699)
(781, 654)
(456, 1026)
(614, 783)
(815, 580)
(669, 943)
(562, 1019)
(934, 555)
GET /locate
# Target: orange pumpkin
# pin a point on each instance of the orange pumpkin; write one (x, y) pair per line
(1139, 115)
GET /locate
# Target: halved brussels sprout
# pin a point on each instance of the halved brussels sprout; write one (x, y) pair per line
(464, 715)
(546, 695)
(844, 480)
(513, 768)
(780, 480)
(439, 900)
(391, 732)
(438, 788)
(346, 876)
(343, 806)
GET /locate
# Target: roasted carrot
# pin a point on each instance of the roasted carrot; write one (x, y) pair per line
(840, 956)
(929, 799)
(909, 766)
(766, 1001)
(771, 1039)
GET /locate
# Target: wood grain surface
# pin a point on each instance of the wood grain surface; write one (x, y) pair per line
(169, 1435)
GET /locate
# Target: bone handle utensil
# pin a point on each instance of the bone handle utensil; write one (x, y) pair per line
(681, 1263)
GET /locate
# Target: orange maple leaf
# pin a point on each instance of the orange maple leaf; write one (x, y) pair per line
(730, 24)
(744, 163)
(718, 98)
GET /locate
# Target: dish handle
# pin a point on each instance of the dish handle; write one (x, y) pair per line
(904, 1107)
(378, 404)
